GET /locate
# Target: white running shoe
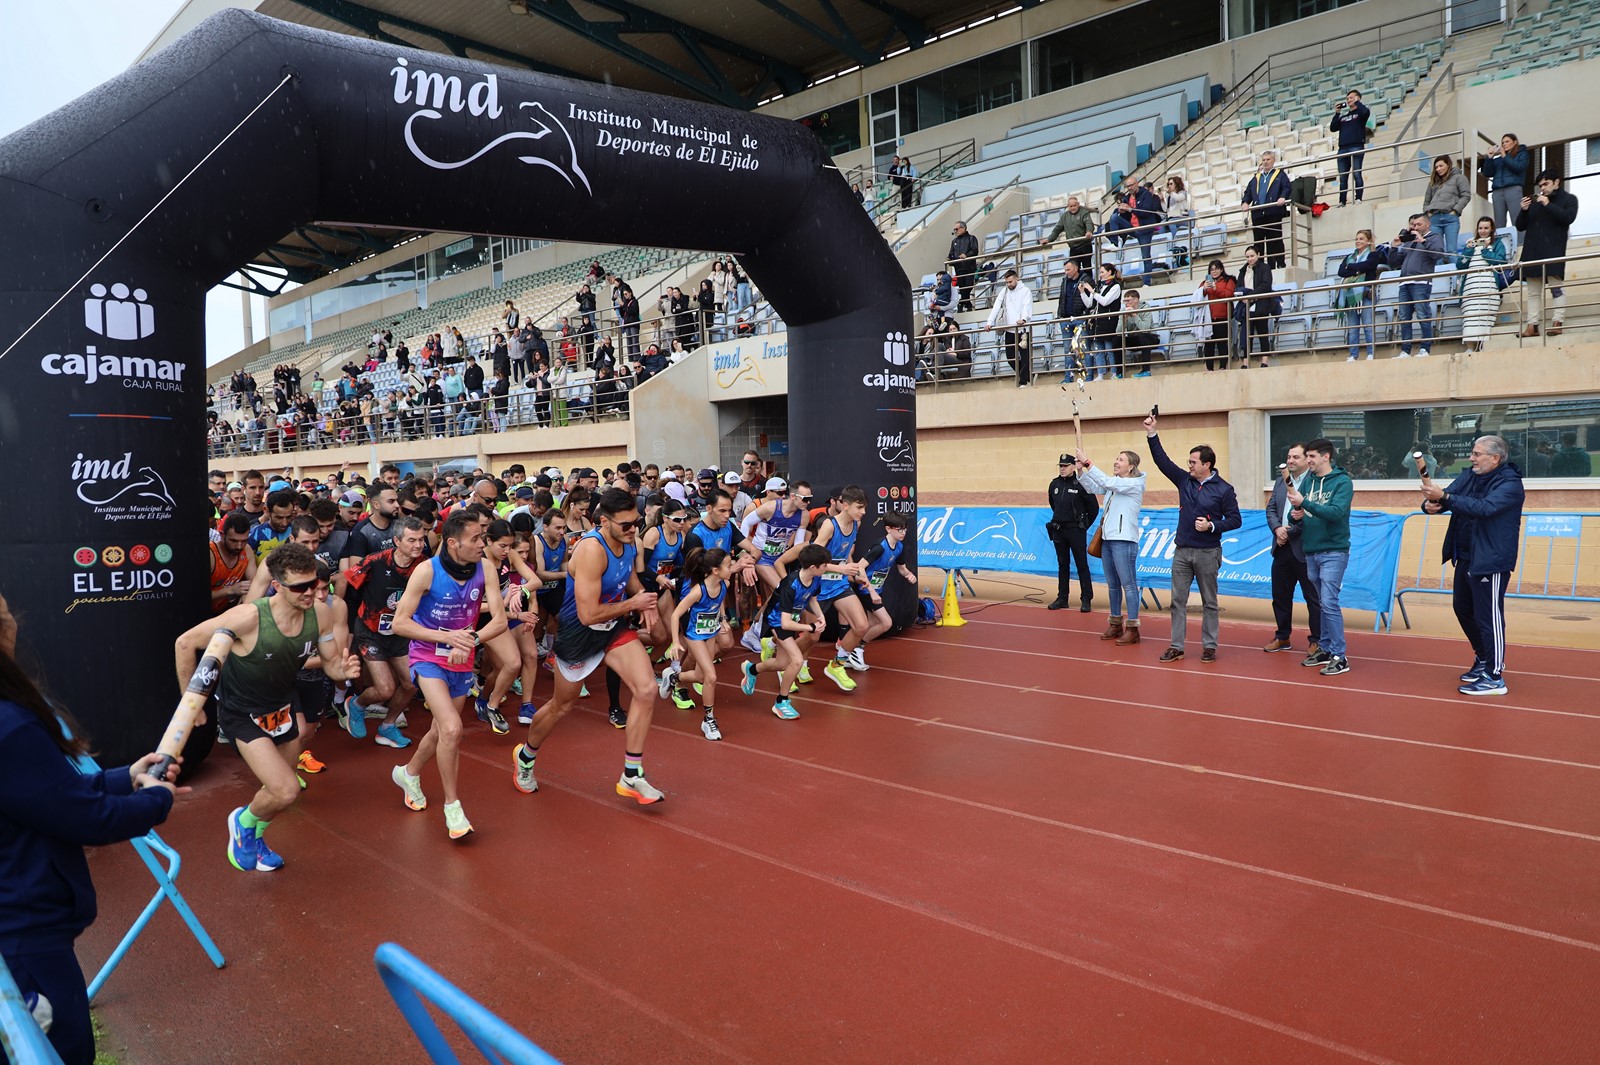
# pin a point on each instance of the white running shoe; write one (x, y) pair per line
(857, 660)
(669, 677)
(709, 729)
(522, 772)
(639, 788)
(750, 641)
(412, 786)
(455, 819)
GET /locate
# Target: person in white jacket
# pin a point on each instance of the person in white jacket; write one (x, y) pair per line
(1119, 538)
(1013, 305)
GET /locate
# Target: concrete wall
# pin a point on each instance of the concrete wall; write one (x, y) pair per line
(673, 419)
(1533, 106)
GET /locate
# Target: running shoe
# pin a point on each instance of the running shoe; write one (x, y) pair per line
(391, 736)
(241, 843)
(549, 662)
(525, 717)
(301, 781)
(583, 691)
(412, 786)
(355, 718)
(784, 709)
(377, 712)
(750, 641)
(1337, 664)
(455, 819)
(497, 721)
(837, 673)
(1488, 684)
(805, 673)
(681, 700)
(639, 788)
(400, 719)
(794, 689)
(768, 648)
(699, 689)
(267, 860)
(516, 685)
(748, 685)
(1316, 658)
(308, 762)
(857, 660)
(522, 772)
(618, 716)
(667, 681)
(1479, 668)
(709, 729)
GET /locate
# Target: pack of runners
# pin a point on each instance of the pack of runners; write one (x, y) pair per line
(347, 600)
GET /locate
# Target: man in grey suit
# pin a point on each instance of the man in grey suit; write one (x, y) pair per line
(1288, 557)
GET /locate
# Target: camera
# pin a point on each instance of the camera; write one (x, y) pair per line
(1407, 236)
(1339, 106)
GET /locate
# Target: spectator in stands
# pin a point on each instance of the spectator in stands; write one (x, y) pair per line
(1267, 195)
(567, 342)
(1350, 123)
(1013, 306)
(1355, 301)
(1135, 215)
(433, 405)
(1415, 252)
(927, 353)
(628, 316)
(1071, 310)
(721, 284)
(1545, 219)
(682, 317)
(1480, 291)
(605, 354)
(903, 174)
(469, 416)
(707, 300)
(543, 389)
(585, 302)
(502, 357)
(448, 347)
(512, 317)
(1137, 340)
(941, 296)
(1506, 167)
(461, 342)
(500, 397)
(1447, 195)
(472, 374)
(1076, 227)
(608, 395)
(1255, 280)
(1104, 301)
(954, 357)
(741, 286)
(963, 263)
(677, 353)
(1218, 288)
(1179, 211)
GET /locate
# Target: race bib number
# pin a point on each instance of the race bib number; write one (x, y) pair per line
(276, 723)
(877, 579)
(707, 625)
(605, 626)
(664, 569)
(773, 548)
(443, 650)
(386, 624)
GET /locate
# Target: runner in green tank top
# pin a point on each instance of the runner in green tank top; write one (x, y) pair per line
(272, 638)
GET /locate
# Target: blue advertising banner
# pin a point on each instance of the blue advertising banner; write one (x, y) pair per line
(1013, 539)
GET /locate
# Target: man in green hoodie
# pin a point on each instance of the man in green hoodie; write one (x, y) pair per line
(1322, 510)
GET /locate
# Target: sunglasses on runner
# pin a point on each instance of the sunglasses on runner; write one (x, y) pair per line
(298, 588)
(780, 492)
(804, 499)
(676, 519)
(626, 525)
(752, 462)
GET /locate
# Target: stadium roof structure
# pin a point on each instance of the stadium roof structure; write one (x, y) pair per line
(733, 52)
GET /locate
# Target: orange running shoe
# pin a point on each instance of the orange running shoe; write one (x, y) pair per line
(308, 763)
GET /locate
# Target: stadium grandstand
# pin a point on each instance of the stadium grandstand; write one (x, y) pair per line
(1004, 113)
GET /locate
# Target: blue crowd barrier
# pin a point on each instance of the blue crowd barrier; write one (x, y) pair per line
(1013, 539)
(23, 1041)
(414, 987)
(1544, 535)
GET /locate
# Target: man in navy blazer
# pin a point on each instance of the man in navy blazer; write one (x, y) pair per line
(1267, 194)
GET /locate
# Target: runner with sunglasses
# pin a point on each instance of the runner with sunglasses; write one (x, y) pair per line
(603, 588)
(773, 526)
(661, 548)
(272, 639)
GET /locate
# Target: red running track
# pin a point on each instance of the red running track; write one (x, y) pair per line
(1012, 843)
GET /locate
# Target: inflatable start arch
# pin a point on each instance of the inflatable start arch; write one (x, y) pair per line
(102, 404)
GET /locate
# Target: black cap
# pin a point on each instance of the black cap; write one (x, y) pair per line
(523, 491)
(1068, 460)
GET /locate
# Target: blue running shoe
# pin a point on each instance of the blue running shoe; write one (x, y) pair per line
(391, 736)
(1479, 667)
(749, 684)
(267, 860)
(526, 716)
(241, 843)
(355, 718)
(482, 705)
(1488, 684)
(784, 709)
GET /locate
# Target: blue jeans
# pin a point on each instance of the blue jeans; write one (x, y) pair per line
(1119, 559)
(1350, 163)
(1100, 355)
(1448, 226)
(1120, 222)
(1414, 302)
(1326, 570)
(1362, 316)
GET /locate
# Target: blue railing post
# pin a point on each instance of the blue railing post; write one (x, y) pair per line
(414, 987)
(23, 1041)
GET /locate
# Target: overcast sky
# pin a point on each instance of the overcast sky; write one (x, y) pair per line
(59, 50)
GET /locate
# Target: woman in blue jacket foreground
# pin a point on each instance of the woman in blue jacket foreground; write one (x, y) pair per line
(49, 812)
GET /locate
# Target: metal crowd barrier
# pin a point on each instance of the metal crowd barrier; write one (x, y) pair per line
(1546, 541)
(414, 987)
(23, 1041)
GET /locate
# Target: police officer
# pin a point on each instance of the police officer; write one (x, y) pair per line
(1072, 511)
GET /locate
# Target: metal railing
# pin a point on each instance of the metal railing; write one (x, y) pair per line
(1430, 101)
(1357, 44)
(414, 987)
(1555, 534)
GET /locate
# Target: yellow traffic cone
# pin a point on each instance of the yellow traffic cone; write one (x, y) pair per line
(952, 609)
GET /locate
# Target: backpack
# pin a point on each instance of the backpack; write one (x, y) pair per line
(927, 611)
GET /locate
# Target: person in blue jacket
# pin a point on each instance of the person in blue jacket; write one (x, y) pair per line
(1485, 507)
(1350, 123)
(49, 812)
(1506, 167)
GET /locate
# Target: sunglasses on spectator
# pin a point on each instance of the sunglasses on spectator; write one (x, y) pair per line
(298, 588)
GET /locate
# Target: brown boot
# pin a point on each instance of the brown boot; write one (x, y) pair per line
(1129, 635)
(1113, 630)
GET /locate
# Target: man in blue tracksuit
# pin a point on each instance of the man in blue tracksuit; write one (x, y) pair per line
(1485, 505)
(1207, 508)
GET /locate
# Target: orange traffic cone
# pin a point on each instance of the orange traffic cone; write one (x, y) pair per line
(952, 609)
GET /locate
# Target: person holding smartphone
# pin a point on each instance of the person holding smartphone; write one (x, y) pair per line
(1350, 123)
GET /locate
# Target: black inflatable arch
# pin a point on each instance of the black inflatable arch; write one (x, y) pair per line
(102, 405)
